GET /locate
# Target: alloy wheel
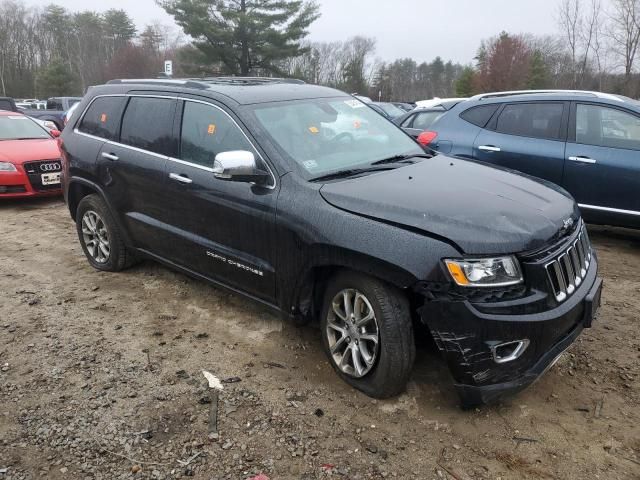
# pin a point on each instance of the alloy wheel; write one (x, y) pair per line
(95, 236)
(352, 333)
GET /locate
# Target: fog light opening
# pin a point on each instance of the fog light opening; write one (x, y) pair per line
(510, 351)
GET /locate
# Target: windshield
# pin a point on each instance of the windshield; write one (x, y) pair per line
(329, 135)
(18, 127)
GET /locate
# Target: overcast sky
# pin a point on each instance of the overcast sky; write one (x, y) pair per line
(421, 29)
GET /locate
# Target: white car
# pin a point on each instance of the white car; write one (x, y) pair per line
(434, 102)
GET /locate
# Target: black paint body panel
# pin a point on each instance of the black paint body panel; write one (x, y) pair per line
(273, 244)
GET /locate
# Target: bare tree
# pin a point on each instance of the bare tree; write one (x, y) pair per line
(624, 32)
(570, 20)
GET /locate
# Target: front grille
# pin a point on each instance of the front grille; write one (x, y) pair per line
(567, 271)
(36, 169)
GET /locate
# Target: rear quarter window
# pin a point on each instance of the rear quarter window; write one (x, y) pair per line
(102, 118)
(480, 115)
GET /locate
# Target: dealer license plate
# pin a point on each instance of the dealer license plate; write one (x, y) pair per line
(50, 178)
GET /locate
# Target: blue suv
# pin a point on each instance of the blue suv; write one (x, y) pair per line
(586, 142)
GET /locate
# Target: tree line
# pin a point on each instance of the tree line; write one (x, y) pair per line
(596, 48)
(52, 51)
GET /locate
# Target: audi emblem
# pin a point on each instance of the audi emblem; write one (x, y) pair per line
(50, 167)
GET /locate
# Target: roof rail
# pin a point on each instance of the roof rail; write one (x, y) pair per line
(160, 81)
(205, 82)
(230, 80)
(608, 96)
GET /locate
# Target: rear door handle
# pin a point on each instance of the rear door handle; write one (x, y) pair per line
(489, 148)
(180, 178)
(110, 156)
(582, 159)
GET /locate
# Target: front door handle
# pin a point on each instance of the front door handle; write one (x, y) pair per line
(489, 148)
(583, 159)
(180, 178)
(110, 156)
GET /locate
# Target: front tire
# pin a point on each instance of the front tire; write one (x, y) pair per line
(367, 334)
(100, 237)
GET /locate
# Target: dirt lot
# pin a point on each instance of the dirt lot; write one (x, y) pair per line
(100, 377)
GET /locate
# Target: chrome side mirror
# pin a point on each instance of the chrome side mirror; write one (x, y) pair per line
(239, 166)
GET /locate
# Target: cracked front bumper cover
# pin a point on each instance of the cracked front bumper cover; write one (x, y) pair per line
(465, 335)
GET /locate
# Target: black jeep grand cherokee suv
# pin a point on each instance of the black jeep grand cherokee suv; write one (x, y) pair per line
(306, 200)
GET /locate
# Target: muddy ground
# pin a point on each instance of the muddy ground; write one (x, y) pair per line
(100, 377)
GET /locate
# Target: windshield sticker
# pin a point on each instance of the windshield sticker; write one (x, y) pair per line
(212, 129)
(354, 103)
(310, 164)
(314, 130)
(357, 124)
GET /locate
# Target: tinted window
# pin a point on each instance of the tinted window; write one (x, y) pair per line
(479, 116)
(207, 131)
(6, 105)
(607, 127)
(103, 117)
(424, 120)
(537, 120)
(147, 124)
(54, 104)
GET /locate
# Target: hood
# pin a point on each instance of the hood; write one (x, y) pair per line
(482, 209)
(21, 151)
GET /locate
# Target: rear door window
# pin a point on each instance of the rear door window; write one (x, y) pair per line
(207, 131)
(607, 127)
(102, 118)
(148, 124)
(479, 116)
(6, 105)
(535, 120)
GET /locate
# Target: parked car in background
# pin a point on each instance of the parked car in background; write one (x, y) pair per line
(436, 101)
(407, 107)
(389, 109)
(57, 108)
(29, 158)
(238, 184)
(31, 105)
(417, 121)
(8, 104)
(586, 142)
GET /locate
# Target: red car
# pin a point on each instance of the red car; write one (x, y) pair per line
(30, 162)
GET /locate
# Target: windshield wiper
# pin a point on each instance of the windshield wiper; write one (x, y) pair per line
(401, 158)
(349, 173)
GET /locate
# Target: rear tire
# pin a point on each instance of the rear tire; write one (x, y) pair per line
(380, 368)
(100, 236)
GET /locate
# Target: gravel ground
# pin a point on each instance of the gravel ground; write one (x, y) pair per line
(101, 378)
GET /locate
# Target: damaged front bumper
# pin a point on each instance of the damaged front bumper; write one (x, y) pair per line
(467, 334)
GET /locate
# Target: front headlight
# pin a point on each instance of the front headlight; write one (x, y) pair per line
(485, 272)
(7, 167)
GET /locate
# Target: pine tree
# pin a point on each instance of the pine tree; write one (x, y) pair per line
(538, 77)
(464, 84)
(245, 35)
(56, 81)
